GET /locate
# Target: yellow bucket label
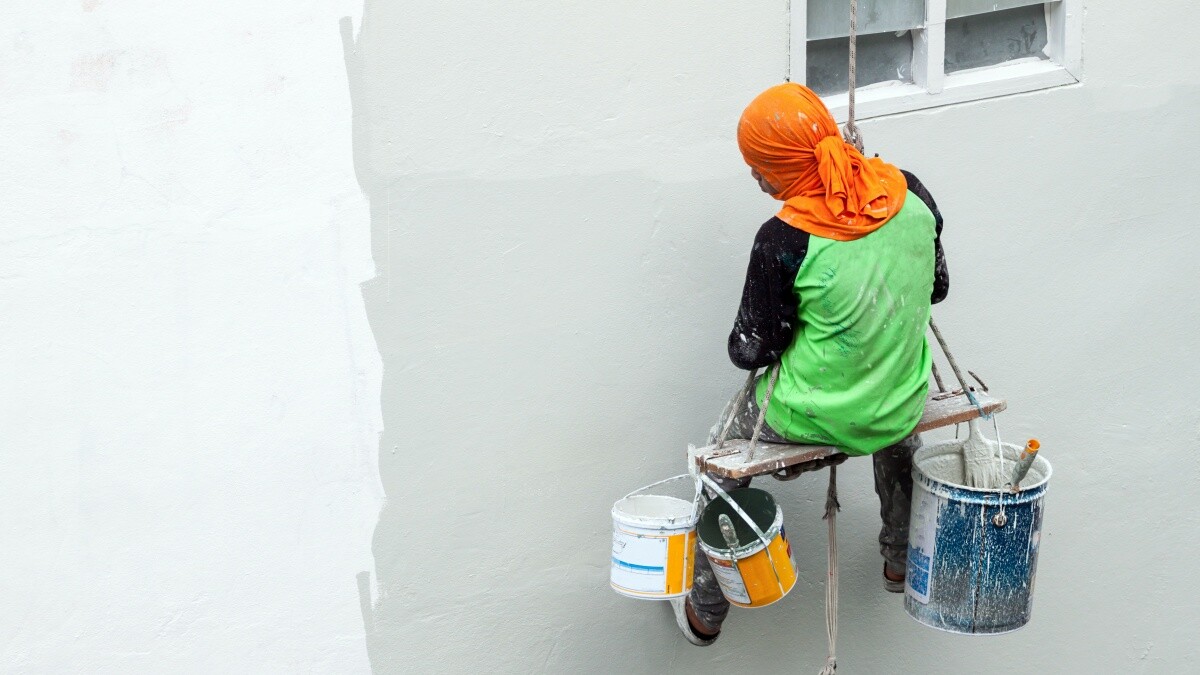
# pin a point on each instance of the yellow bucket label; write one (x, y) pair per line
(760, 578)
(653, 565)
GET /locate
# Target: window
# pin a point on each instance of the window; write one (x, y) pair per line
(915, 54)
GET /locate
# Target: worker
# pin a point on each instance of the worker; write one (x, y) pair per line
(838, 293)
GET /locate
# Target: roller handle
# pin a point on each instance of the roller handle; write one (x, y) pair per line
(1023, 463)
(727, 531)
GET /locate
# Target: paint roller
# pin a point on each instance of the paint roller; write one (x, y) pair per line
(1023, 463)
(730, 536)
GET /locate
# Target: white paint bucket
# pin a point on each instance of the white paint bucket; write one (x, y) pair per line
(654, 539)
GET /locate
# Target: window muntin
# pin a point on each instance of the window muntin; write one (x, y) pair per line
(1017, 60)
(957, 8)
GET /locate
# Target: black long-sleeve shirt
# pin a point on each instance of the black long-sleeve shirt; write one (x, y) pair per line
(766, 320)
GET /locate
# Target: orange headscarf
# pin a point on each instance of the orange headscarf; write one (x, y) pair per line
(828, 187)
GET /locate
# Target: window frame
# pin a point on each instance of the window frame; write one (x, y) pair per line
(932, 87)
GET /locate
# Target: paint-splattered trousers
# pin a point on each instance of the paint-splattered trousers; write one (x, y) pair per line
(893, 484)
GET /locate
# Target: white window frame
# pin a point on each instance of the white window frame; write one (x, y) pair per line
(932, 87)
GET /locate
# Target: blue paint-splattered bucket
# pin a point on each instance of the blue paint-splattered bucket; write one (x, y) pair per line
(972, 554)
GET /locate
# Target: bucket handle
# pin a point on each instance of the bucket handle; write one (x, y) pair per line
(737, 509)
(695, 500)
(655, 484)
(695, 515)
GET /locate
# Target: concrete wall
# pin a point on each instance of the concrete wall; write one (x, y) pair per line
(561, 222)
(558, 228)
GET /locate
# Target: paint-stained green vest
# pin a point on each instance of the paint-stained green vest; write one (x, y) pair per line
(857, 371)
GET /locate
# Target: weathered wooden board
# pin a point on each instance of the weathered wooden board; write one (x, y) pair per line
(956, 410)
(730, 461)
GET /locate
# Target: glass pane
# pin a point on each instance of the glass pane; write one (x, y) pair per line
(995, 37)
(957, 8)
(881, 58)
(831, 18)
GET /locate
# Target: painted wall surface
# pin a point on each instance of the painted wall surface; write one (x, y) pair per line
(189, 397)
(561, 222)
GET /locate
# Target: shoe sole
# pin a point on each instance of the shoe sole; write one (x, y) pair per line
(890, 585)
(685, 627)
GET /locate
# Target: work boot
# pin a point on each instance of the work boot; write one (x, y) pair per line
(690, 625)
(893, 579)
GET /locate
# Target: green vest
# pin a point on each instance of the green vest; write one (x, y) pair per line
(857, 371)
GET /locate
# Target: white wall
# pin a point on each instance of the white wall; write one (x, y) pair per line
(561, 222)
(190, 389)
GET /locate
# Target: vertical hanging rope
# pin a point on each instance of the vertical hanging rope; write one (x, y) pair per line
(854, 137)
(851, 132)
(831, 583)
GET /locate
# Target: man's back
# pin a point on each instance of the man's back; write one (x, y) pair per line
(856, 374)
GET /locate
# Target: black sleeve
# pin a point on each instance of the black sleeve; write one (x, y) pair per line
(766, 319)
(941, 275)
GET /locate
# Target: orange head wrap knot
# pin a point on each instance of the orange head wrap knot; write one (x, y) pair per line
(828, 187)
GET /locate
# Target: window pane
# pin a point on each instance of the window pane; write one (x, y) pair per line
(831, 18)
(957, 8)
(881, 58)
(995, 37)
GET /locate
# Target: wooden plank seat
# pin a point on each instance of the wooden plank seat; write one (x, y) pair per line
(729, 461)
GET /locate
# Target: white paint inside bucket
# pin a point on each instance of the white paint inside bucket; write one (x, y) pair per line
(650, 510)
(943, 462)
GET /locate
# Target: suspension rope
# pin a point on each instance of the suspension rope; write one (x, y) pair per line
(937, 377)
(954, 366)
(762, 414)
(851, 133)
(854, 137)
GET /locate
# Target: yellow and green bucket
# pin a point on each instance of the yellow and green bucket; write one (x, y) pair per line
(761, 569)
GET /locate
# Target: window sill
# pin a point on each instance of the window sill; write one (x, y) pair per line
(891, 98)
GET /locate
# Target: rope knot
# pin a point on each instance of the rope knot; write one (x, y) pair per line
(852, 135)
(832, 505)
